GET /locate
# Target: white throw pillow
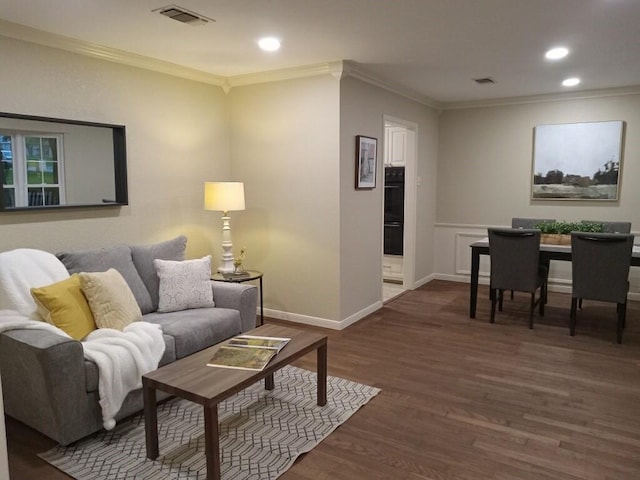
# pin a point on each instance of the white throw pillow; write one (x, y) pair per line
(185, 284)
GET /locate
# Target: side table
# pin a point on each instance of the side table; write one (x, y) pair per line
(252, 275)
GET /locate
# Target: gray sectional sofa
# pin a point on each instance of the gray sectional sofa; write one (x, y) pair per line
(49, 385)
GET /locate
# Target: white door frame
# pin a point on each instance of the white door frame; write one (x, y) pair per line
(410, 197)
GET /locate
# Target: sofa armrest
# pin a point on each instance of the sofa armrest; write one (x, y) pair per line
(43, 380)
(238, 297)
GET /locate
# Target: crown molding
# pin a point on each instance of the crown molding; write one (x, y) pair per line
(334, 69)
(33, 35)
(552, 97)
(355, 70)
(337, 69)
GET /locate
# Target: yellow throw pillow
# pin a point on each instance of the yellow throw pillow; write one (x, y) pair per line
(64, 305)
(110, 298)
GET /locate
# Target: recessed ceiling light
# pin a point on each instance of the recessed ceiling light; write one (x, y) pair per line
(557, 53)
(571, 82)
(269, 44)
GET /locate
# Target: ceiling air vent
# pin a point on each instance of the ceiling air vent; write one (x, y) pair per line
(182, 15)
(484, 81)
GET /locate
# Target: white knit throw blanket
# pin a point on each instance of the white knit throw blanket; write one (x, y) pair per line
(122, 357)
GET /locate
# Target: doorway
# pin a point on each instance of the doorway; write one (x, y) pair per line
(399, 206)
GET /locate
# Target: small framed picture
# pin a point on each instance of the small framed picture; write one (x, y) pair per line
(366, 162)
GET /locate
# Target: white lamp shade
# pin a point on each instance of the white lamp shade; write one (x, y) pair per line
(224, 196)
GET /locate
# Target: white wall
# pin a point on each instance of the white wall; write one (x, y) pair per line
(284, 147)
(484, 174)
(177, 138)
(362, 108)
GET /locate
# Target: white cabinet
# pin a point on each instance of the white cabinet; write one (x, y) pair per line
(393, 268)
(396, 146)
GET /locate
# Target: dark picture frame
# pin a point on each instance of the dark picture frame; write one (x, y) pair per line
(578, 161)
(366, 162)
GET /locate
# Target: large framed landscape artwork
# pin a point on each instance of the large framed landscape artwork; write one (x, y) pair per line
(577, 161)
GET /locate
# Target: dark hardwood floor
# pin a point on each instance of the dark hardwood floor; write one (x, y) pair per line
(465, 400)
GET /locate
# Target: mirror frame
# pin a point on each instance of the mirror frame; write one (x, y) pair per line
(119, 164)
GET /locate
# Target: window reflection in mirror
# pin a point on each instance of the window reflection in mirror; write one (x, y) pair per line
(48, 163)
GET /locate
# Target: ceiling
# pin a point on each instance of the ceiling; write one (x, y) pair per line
(431, 49)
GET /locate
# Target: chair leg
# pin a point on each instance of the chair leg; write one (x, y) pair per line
(547, 263)
(572, 316)
(500, 298)
(531, 309)
(546, 292)
(542, 300)
(511, 294)
(493, 294)
(622, 310)
(580, 304)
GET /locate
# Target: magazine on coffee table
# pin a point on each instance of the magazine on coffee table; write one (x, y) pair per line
(255, 341)
(247, 352)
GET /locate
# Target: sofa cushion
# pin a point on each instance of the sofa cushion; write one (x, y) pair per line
(198, 328)
(185, 284)
(102, 259)
(110, 298)
(143, 257)
(64, 305)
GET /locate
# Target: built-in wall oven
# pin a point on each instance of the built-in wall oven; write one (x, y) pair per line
(393, 210)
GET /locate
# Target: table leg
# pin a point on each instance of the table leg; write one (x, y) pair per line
(475, 267)
(150, 420)
(269, 384)
(322, 374)
(261, 307)
(212, 442)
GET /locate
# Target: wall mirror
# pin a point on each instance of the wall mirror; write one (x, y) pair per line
(50, 163)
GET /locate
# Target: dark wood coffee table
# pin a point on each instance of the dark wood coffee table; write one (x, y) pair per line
(190, 378)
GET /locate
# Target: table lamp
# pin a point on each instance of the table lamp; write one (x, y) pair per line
(224, 197)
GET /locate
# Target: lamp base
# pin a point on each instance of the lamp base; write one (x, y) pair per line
(226, 260)
(226, 266)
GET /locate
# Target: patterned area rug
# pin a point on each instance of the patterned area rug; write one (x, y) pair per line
(261, 433)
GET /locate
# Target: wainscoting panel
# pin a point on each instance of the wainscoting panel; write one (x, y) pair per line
(463, 241)
(453, 259)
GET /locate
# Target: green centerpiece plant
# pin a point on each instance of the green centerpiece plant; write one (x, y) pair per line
(559, 233)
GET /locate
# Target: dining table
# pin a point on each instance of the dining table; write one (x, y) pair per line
(547, 253)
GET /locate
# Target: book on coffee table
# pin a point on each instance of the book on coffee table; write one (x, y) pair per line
(247, 352)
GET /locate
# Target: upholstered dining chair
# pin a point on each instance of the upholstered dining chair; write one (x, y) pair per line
(600, 271)
(519, 222)
(613, 227)
(610, 227)
(514, 254)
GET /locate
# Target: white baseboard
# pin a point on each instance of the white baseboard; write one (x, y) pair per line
(423, 281)
(323, 322)
(555, 285)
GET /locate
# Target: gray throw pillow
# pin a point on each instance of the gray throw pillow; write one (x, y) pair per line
(143, 257)
(101, 260)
